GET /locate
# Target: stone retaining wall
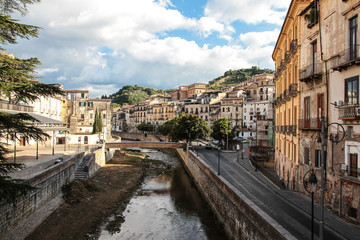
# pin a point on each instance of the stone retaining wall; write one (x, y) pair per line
(241, 217)
(49, 184)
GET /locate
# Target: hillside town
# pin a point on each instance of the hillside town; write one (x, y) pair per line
(307, 112)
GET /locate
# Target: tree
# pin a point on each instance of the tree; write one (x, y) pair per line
(95, 124)
(222, 130)
(189, 127)
(17, 85)
(166, 127)
(99, 122)
(146, 127)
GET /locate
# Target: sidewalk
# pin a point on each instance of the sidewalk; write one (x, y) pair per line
(27, 155)
(331, 220)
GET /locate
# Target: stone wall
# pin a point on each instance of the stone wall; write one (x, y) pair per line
(241, 217)
(48, 185)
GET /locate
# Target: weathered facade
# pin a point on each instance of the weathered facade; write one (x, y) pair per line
(325, 66)
(287, 57)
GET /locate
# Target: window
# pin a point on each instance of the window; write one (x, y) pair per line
(352, 90)
(306, 155)
(353, 28)
(82, 104)
(320, 112)
(307, 112)
(82, 116)
(254, 91)
(90, 104)
(82, 95)
(313, 55)
(353, 164)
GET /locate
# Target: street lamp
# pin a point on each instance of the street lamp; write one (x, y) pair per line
(312, 187)
(219, 158)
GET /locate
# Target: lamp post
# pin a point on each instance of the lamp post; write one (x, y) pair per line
(312, 185)
(219, 158)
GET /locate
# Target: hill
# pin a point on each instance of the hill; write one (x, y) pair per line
(233, 77)
(129, 95)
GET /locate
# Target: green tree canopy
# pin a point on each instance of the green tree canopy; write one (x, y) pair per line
(189, 127)
(17, 85)
(148, 127)
(222, 129)
(166, 127)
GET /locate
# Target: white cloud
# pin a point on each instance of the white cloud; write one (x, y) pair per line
(103, 45)
(42, 71)
(249, 11)
(259, 39)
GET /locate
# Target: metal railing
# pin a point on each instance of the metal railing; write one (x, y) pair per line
(311, 71)
(310, 124)
(346, 57)
(293, 89)
(293, 45)
(349, 111)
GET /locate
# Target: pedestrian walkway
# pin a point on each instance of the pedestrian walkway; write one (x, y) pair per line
(26, 155)
(303, 203)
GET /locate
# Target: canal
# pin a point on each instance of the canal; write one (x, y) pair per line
(167, 206)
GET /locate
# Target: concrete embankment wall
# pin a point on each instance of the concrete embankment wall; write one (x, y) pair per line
(241, 217)
(48, 185)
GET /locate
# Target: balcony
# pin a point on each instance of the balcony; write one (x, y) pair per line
(287, 56)
(312, 71)
(291, 129)
(346, 58)
(312, 124)
(293, 89)
(287, 94)
(349, 112)
(293, 45)
(281, 97)
(282, 63)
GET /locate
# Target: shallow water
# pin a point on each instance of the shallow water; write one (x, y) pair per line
(167, 206)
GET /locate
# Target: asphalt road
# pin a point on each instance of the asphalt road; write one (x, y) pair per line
(265, 196)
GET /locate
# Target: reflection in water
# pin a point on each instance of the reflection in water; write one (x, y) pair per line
(167, 207)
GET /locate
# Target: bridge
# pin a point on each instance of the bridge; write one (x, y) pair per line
(141, 144)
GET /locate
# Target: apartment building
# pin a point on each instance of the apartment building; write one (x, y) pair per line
(325, 67)
(79, 113)
(287, 57)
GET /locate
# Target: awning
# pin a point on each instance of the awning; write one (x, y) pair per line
(49, 122)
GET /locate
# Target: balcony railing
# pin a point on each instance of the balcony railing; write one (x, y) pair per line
(310, 124)
(311, 71)
(287, 94)
(293, 45)
(293, 89)
(346, 58)
(349, 111)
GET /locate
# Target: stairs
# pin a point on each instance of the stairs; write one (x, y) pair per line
(80, 173)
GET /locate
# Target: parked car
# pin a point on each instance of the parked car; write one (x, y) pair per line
(59, 160)
(208, 146)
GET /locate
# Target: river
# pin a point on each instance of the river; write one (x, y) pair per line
(167, 206)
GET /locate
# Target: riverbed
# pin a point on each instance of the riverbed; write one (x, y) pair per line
(167, 206)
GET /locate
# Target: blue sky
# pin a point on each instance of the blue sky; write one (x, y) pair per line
(103, 45)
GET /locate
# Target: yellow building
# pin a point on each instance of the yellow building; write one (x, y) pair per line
(287, 61)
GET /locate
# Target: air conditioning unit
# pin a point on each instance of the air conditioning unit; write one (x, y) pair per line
(343, 167)
(358, 111)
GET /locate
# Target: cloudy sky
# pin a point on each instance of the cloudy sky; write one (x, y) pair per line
(103, 45)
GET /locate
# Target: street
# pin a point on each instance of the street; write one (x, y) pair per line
(288, 208)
